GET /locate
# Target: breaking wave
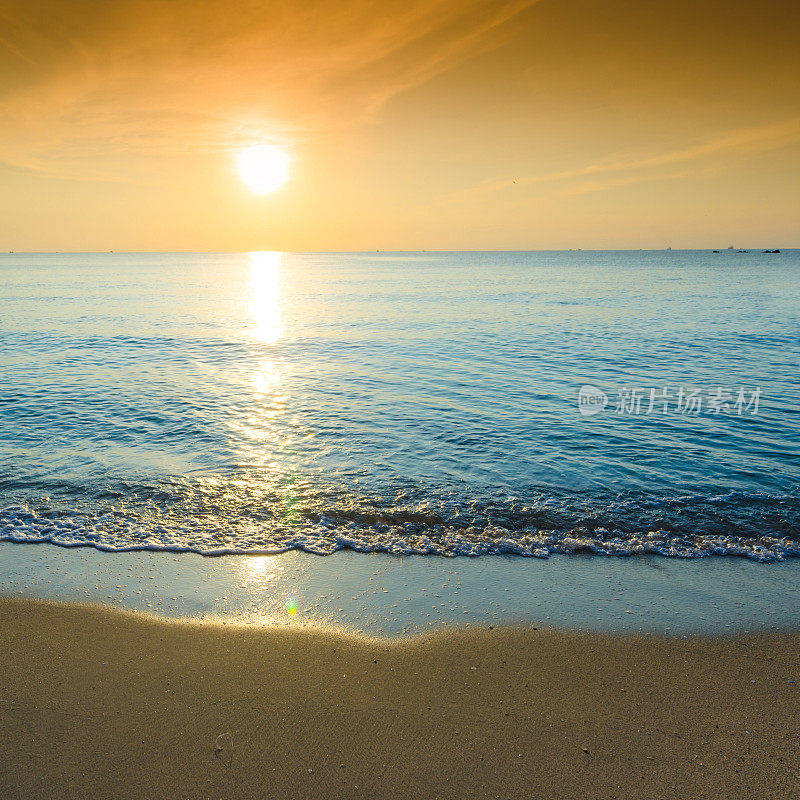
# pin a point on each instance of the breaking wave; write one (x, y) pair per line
(216, 520)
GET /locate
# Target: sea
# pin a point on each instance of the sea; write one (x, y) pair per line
(442, 404)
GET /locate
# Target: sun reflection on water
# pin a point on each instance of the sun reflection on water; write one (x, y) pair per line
(259, 433)
(265, 304)
(264, 434)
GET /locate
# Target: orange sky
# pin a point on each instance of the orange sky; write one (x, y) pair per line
(452, 124)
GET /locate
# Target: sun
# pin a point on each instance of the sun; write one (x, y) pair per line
(264, 167)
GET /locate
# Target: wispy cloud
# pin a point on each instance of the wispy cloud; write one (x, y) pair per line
(635, 170)
(595, 185)
(79, 92)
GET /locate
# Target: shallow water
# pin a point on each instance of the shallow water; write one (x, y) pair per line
(407, 403)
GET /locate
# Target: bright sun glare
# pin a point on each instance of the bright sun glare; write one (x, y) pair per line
(264, 168)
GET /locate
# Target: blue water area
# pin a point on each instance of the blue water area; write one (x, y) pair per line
(403, 402)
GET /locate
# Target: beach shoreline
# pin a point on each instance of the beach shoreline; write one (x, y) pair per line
(396, 596)
(103, 703)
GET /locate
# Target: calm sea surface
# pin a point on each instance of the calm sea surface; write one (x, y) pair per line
(406, 402)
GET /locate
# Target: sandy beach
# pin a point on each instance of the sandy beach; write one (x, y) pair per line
(99, 703)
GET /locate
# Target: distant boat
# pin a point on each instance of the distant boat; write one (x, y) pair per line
(772, 251)
(742, 251)
(715, 251)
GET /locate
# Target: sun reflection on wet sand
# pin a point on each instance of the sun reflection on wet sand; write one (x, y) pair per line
(262, 571)
(277, 600)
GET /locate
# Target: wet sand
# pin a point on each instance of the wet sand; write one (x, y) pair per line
(99, 703)
(386, 596)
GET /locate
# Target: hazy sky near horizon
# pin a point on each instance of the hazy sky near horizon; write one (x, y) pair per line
(447, 124)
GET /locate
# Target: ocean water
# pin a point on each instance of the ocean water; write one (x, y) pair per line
(409, 403)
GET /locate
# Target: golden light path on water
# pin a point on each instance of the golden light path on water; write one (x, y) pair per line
(265, 304)
(262, 436)
(258, 436)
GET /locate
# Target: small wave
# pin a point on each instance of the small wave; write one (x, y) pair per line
(424, 531)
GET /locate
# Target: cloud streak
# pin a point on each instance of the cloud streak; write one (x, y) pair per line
(743, 140)
(81, 91)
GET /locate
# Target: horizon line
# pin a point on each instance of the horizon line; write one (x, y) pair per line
(728, 248)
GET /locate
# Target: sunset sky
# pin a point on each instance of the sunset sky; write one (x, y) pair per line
(446, 124)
